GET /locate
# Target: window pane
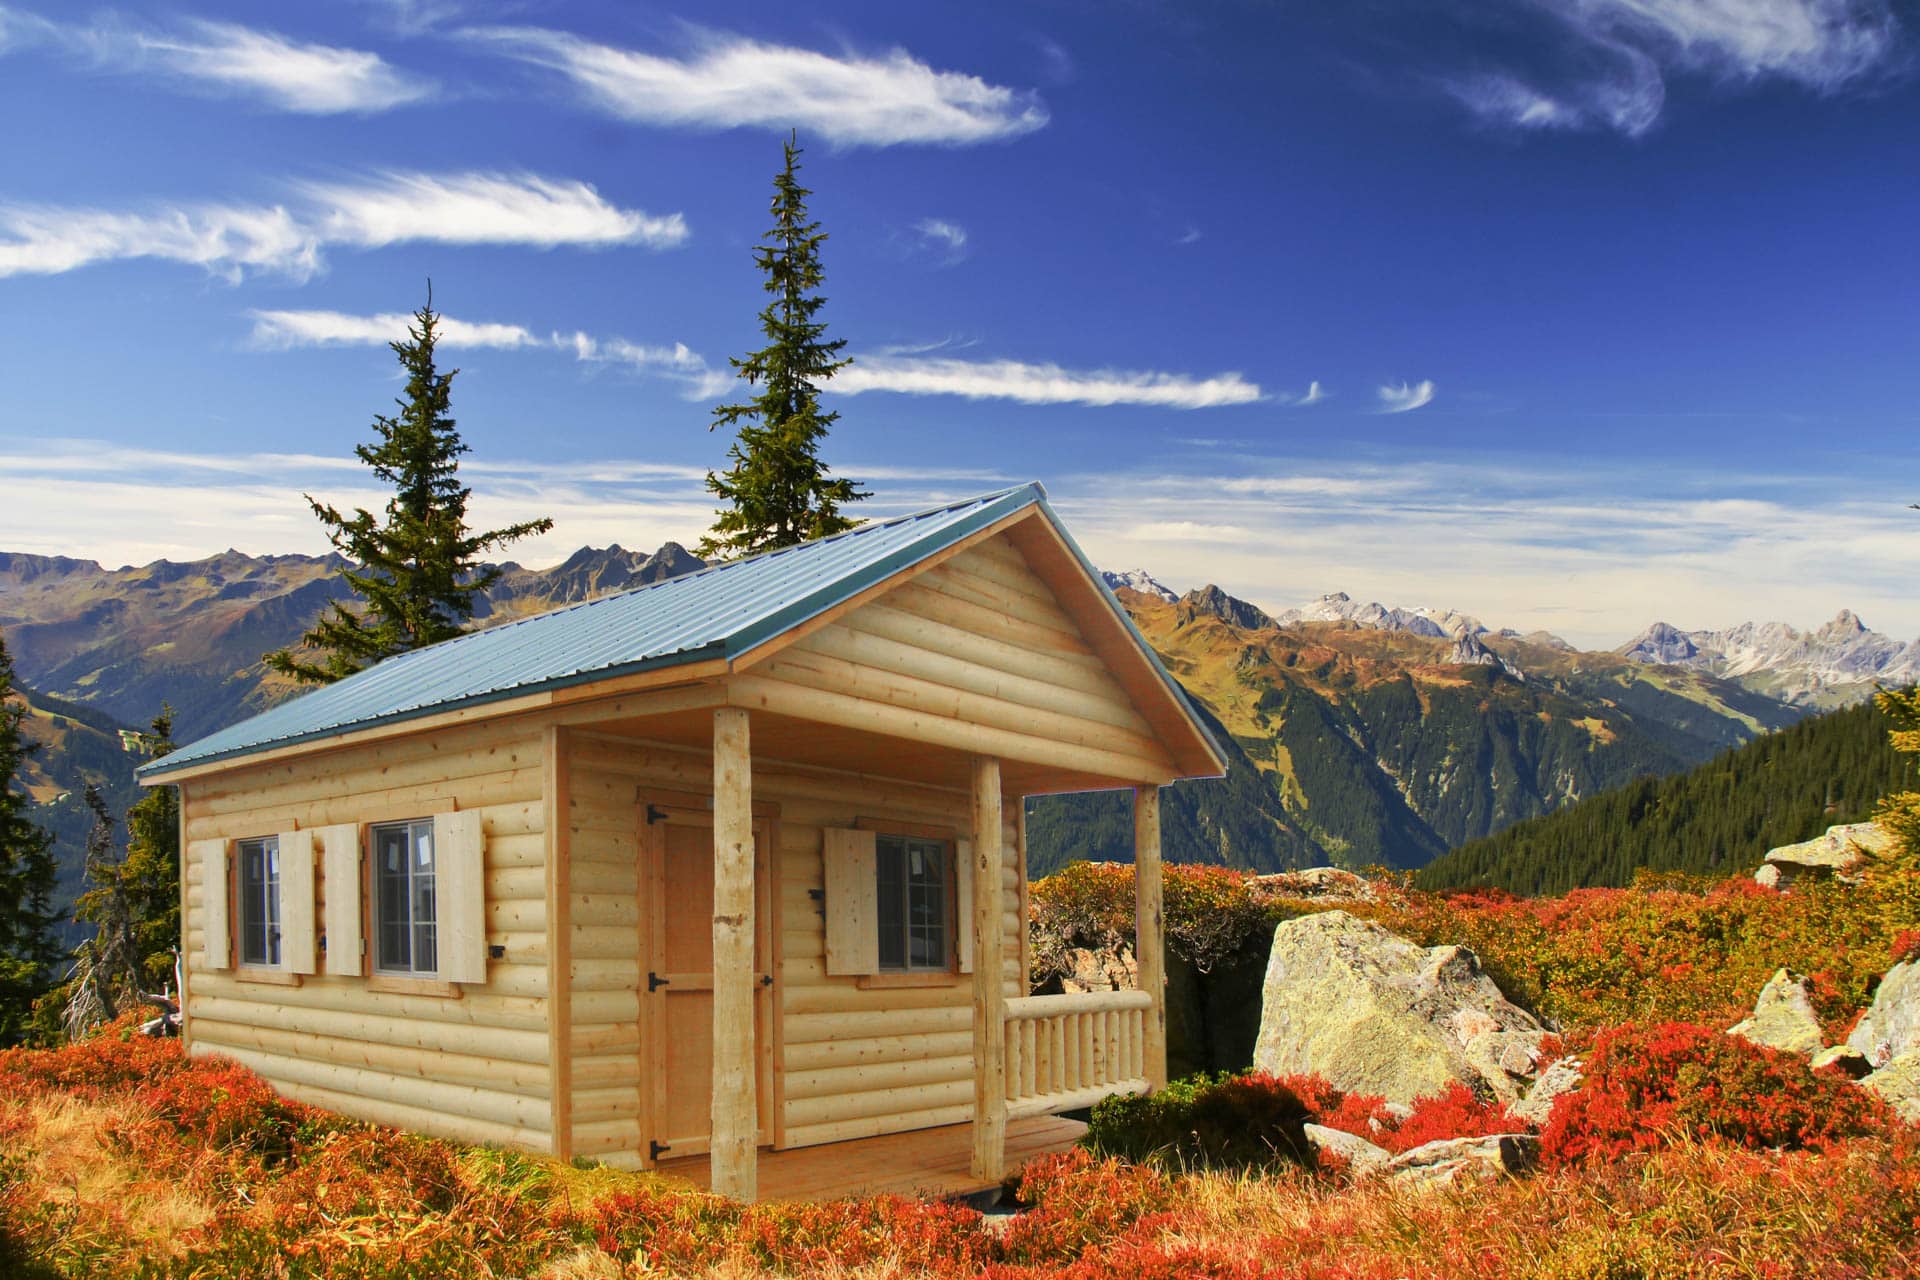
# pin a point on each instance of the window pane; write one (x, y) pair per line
(891, 889)
(391, 897)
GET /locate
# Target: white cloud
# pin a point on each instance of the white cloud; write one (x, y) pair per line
(1406, 396)
(908, 374)
(1315, 394)
(727, 81)
(283, 330)
(948, 239)
(1613, 57)
(233, 240)
(1039, 383)
(227, 58)
(314, 79)
(1191, 235)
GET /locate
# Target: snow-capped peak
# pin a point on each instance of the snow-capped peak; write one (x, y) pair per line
(1801, 663)
(1139, 580)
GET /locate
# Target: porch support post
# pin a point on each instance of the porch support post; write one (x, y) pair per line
(1149, 938)
(989, 987)
(733, 1139)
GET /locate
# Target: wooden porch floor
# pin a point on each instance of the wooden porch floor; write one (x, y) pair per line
(933, 1163)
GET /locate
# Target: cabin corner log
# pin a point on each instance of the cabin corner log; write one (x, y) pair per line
(989, 991)
(1149, 943)
(734, 1132)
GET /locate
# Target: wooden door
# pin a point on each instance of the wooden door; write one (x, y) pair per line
(677, 846)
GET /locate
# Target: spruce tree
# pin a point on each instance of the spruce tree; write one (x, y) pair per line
(150, 876)
(415, 572)
(28, 947)
(778, 492)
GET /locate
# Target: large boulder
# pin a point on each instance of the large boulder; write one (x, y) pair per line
(1840, 853)
(1362, 1158)
(1371, 1012)
(1898, 1084)
(1451, 1161)
(1783, 1017)
(1891, 1025)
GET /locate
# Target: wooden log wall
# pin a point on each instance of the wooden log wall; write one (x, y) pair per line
(472, 1067)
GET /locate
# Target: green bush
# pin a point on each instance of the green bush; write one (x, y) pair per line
(1250, 1121)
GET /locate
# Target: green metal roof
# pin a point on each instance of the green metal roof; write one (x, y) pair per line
(719, 612)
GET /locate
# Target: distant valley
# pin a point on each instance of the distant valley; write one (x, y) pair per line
(1358, 733)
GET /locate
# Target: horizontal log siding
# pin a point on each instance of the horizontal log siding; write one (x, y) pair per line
(857, 1062)
(472, 1068)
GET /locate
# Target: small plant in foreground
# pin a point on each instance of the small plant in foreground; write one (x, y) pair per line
(1250, 1121)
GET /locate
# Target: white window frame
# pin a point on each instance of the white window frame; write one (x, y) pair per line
(383, 964)
(249, 904)
(903, 849)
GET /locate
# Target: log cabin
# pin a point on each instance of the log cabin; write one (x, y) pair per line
(721, 876)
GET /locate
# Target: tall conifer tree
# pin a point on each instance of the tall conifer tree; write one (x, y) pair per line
(151, 872)
(28, 948)
(778, 490)
(416, 572)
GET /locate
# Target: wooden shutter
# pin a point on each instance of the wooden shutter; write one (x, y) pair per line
(340, 863)
(296, 902)
(853, 906)
(216, 931)
(963, 904)
(460, 894)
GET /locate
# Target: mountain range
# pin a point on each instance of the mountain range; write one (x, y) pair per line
(1357, 733)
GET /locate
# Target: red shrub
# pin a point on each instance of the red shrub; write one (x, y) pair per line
(115, 1057)
(1906, 945)
(1078, 1200)
(921, 1236)
(1454, 1112)
(1648, 1085)
(225, 1105)
(667, 1229)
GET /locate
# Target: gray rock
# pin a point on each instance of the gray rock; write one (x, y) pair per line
(1374, 1013)
(1898, 1084)
(1455, 1160)
(1768, 876)
(1843, 1058)
(1362, 1157)
(1783, 1017)
(1891, 1026)
(1563, 1077)
(1840, 853)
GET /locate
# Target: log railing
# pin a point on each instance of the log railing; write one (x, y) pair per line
(1070, 1051)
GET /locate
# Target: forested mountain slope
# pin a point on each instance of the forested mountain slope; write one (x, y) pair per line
(1718, 819)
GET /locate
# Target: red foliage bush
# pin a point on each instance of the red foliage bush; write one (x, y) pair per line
(1077, 1201)
(923, 1237)
(113, 1059)
(1906, 945)
(1648, 1085)
(224, 1104)
(1454, 1112)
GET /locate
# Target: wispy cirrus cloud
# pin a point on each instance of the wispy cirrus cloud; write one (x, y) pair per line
(227, 58)
(1606, 63)
(727, 81)
(944, 237)
(1405, 397)
(1032, 383)
(288, 239)
(1315, 394)
(904, 372)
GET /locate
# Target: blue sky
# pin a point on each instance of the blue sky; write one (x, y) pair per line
(1568, 313)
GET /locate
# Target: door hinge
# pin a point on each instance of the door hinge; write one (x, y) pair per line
(655, 814)
(656, 1148)
(766, 979)
(655, 981)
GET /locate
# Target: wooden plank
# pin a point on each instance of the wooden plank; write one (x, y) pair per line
(340, 878)
(852, 919)
(1148, 930)
(460, 890)
(989, 995)
(298, 949)
(732, 1138)
(560, 976)
(929, 1162)
(216, 931)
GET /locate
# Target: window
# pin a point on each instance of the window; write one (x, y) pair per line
(260, 901)
(405, 910)
(911, 876)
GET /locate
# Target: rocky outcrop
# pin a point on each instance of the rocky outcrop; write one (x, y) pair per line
(1562, 1078)
(1783, 1017)
(1363, 1158)
(1090, 969)
(1329, 884)
(1211, 600)
(1371, 1012)
(1891, 1025)
(1450, 1161)
(1845, 1059)
(1841, 853)
(1898, 1085)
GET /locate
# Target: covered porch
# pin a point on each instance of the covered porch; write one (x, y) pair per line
(930, 1163)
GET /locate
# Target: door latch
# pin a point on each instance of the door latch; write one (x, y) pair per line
(656, 1148)
(655, 981)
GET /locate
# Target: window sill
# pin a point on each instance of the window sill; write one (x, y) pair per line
(268, 977)
(909, 978)
(403, 986)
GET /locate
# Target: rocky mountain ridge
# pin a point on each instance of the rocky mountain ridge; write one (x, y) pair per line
(1842, 661)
